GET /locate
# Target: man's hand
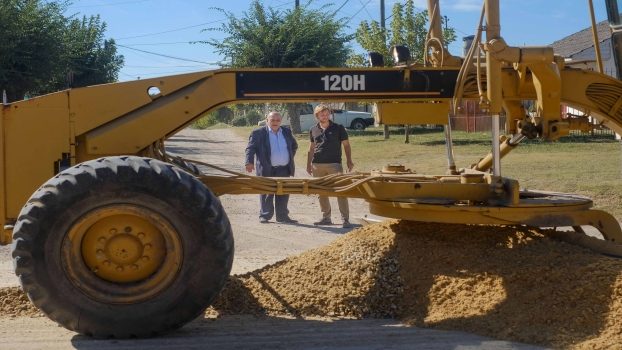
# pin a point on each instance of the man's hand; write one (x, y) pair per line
(310, 158)
(250, 168)
(348, 151)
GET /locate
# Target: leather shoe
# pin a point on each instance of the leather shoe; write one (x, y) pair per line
(323, 222)
(346, 224)
(263, 220)
(287, 221)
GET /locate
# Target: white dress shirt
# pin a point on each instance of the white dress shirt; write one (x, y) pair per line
(279, 154)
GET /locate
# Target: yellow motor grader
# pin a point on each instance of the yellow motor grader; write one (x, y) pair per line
(113, 237)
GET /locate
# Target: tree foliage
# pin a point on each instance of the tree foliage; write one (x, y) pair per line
(89, 57)
(41, 49)
(267, 38)
(408, 27)
(295, 38)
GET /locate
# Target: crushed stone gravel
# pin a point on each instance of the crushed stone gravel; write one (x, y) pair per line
(510, 283)
(14, 303)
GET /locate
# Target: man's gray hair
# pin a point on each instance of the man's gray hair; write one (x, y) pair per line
(273, 113)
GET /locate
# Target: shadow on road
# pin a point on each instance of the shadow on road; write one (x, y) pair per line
(249, 332)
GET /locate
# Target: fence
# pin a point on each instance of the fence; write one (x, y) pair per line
(471, 119)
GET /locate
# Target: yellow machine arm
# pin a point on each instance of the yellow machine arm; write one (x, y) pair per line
(73, 126)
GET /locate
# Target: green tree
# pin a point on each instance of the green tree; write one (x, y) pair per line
(89, 57)
(40, 48)
(408, 27)
(29, 45)
(267, 38)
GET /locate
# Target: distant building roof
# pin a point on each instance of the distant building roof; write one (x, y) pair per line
(580, 41)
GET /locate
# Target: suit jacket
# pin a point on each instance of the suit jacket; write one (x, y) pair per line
(259, 148)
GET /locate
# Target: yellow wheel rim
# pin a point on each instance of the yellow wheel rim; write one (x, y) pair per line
(122, 253)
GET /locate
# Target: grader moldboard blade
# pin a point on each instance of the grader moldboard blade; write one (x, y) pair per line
(473, 197)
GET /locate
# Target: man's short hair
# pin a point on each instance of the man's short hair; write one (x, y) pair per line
(273, 112)
(319, 108)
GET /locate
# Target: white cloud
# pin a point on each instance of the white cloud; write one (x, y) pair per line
(422, 4)
(456, 5)
(466, 5)
(419, 4)
(559, 14)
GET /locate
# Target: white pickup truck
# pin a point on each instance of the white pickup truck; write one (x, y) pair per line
(350, 119)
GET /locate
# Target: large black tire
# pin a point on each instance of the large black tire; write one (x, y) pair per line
(358, 124)
(122, 247)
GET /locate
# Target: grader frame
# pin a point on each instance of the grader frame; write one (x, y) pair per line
(111, 237)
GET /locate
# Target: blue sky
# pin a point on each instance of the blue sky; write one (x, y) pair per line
(167, 27)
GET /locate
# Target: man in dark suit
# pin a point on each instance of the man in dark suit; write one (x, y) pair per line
(270, 152)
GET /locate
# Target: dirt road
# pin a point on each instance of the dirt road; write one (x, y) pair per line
(256, 246)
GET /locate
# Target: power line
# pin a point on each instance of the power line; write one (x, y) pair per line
(166, 43)
(340, 7)
(459, 31)
(168, 56)
(158, 67)
(365, 7)
(172, 30)
(187, 27)
(284, 4)
(111, 4)
(157, 74)
(359, 11)
(128, 75)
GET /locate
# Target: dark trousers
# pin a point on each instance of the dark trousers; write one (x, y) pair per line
(270, 202)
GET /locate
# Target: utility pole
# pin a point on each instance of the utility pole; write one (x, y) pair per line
(382, 14)
(384, 39)
(446, 27)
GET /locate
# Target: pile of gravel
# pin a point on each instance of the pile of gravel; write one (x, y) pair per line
(354, 277)
(14, 303)
(509, 283)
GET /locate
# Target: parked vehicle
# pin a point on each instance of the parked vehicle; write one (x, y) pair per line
(350, 119)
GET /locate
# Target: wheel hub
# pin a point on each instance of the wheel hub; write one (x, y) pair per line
(119, 245)
(123, 248)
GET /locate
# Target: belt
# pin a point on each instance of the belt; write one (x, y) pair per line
(279, 166)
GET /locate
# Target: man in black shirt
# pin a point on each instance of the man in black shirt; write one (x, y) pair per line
(324, 158)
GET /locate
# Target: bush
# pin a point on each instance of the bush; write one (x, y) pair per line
(204, 122)
(224, 115)
(253, 117)
(239, 121)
